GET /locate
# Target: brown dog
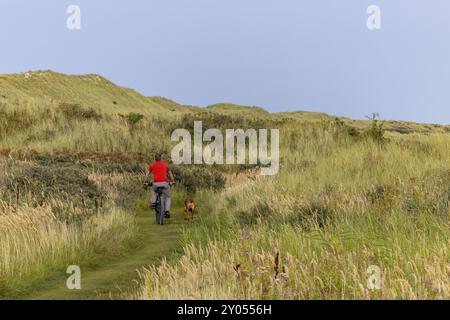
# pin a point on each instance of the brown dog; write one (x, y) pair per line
(189, 209)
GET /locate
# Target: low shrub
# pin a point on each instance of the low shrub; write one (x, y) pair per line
(74, 111)
(193, 178)
(132, 118)
(376, 129)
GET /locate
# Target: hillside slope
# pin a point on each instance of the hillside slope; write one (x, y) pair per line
(38, 89)
(349, 195)
(48, 87)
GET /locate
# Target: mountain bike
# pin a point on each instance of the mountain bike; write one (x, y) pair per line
(160, 203)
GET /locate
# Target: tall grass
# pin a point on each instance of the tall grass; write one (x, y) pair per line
(347, 196)
(339, 205)
(42, 234)
(34, 242)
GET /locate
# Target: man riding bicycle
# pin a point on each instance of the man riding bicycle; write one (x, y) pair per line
(160, 172)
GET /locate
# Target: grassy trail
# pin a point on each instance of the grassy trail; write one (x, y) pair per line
(113, 277)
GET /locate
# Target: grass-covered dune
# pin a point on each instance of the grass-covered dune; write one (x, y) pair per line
(47, 87)
(350, 194)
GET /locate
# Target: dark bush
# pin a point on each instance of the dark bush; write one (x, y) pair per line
(381, 194)
(376, 129)
(106, 164)
(132, 118)
(222, 121)
(73, 111)
(55, 181)
(344, 129)
(193, 178)
(65, 178)
(401, 130)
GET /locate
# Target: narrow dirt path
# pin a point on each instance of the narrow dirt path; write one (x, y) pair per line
(115, 276)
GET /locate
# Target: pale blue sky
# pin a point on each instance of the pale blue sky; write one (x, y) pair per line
(282, 55)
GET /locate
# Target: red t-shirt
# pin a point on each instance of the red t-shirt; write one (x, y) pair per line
(159, 170)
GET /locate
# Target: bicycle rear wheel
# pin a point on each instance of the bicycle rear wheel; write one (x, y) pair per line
(159, 210)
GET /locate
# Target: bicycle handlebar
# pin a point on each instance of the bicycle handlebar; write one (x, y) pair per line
(150, 184)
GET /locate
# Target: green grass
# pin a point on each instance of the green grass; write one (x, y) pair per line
(115, 277)
(50, 88)
(350, 193)
(234, 109)
(339, 205)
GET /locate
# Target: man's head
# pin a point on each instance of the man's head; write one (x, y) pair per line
(158, 157)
